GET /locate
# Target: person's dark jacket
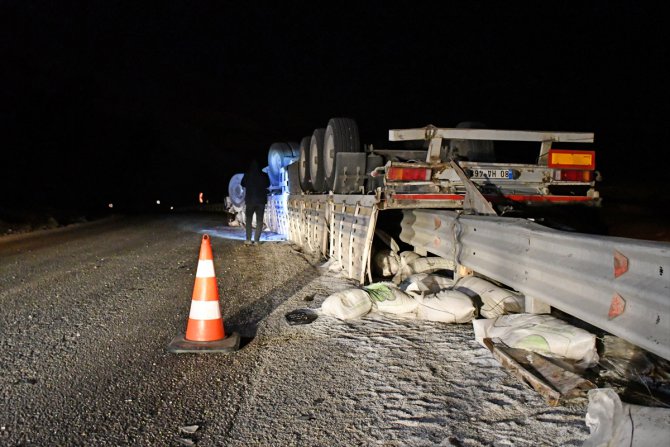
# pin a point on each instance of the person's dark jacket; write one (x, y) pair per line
(256, 183)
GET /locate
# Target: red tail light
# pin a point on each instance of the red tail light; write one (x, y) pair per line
(415, 174)
(573, 175)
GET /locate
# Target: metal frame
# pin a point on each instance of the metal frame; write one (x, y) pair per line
(435, 135)
(431, 132)
(340, 227)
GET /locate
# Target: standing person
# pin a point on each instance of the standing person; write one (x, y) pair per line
(256, 183)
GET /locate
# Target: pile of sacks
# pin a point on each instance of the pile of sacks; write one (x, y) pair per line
(419, 291)
(543, 334)
(400, 266)
(432, 296)
(445, 305)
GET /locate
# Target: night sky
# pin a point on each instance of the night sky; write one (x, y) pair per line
(128, 102)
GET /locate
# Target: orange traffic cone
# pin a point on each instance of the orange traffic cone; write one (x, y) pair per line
(204, 331)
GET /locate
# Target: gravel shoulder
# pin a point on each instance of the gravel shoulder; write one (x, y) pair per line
(87, 315)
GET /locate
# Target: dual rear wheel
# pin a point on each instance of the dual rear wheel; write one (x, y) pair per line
(317, 161)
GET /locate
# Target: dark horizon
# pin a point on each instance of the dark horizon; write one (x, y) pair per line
(134, 102)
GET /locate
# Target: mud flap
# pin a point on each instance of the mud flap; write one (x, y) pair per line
(349, 172)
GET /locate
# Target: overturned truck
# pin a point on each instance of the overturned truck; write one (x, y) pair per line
(328, 190)
(456, 195)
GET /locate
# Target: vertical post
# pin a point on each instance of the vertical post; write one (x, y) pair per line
(434, 147)
(462, 271)
(352, 234)
(544, 152)
(535, 306)
(367, 248)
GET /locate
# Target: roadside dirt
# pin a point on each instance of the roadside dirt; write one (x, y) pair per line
(88, 313)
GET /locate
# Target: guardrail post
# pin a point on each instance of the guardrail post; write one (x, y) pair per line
(535, 306)
(462, 271)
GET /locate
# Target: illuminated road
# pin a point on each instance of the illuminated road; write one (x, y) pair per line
(88, 311)
(86, 315)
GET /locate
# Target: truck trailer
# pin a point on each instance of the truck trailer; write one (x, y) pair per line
(328, 190)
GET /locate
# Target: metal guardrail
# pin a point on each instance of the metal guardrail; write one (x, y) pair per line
(619, 285)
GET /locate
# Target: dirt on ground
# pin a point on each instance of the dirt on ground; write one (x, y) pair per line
(89, 311)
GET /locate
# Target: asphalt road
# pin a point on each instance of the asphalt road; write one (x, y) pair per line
(87, 312)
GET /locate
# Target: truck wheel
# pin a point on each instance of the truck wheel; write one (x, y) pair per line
(280, 155)
(341, 136)
(295, 149)
(305, 177)
(315, 160)
(235, 190)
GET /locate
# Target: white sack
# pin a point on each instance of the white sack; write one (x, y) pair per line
(544, 334)
(408, 256)
(426, 283)
(447, 306)
(386, 263)
(613, 423)
(429, 264)
(496, 301)
(347, 304)
(411, 262)
(404, 271)
(388, 298)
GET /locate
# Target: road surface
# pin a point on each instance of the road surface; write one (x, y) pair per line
(88, 310)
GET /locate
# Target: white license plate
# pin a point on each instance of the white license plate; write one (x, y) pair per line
(492, 173)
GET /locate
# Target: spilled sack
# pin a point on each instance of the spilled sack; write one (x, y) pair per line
(347, 304)
(425, 283)
(613, 423)
(388, 298)
(411, 263)
(544, 334)
(447, 306)
(386, 263)
(496, 301)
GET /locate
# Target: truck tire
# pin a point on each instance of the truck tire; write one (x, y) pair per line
(315, 160)
(295, 149)
(341, 136)
(235, 190)
(304, 169)
(280, 155)
(472, 150)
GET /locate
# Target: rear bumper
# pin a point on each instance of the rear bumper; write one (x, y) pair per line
(437, 200)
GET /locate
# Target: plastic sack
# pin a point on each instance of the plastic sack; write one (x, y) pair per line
(404, 271)
(613, 423)
(425, 284)
(544, 334)
(496, 301)
(429, 264)
(386, 263)
(388, 298)
(411, 263)
(347, 304)
(447, 306)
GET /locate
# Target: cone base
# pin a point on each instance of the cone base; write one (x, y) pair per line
(180, 345)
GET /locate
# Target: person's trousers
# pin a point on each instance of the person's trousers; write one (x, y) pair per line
(259, 210)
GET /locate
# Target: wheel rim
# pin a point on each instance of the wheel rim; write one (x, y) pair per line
(315, 160)
(329, 154)
(303, 164)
